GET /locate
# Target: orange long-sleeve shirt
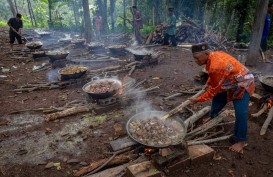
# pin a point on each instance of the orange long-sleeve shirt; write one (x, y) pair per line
(227, 74)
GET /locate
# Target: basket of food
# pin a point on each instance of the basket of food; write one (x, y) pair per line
(72, 72)
(57, 54)
(34, 45)
(102, 88)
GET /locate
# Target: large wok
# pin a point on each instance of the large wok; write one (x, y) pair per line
(66, 75)
(268, 87)
(149, 114)
(96, 96)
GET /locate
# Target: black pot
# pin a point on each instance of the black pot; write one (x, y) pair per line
(96, 96)
(117, 51)
(266, 86)
(34, 47)
(38, 55)
(71, 76)
(57, 57)
(139, 57)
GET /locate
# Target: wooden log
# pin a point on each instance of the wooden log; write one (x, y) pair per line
(260, 112)
(119, 159)
(132, 64)
(110, 68)
(150, 37)
(209, 140)
(267, 122)
(214, 122)
(132, 70)
(67, 112)
(197, 116)
(182, 106)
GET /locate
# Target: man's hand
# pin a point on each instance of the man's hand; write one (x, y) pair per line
(193, 101)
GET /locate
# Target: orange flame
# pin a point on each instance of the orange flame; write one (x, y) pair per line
(269, 103)
(149, 150)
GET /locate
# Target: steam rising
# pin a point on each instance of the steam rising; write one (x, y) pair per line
(52, 75)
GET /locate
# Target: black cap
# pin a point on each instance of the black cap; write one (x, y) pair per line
(134, 7)
(170, 8)
(200, 48)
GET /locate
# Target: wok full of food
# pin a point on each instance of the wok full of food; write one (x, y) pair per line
(57, 54)
(147, 128)
(72, 72)
(34, 45)
(102, 88)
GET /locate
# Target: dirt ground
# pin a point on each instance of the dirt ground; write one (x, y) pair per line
(28, 143)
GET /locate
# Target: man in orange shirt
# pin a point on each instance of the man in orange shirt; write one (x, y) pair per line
(228, 80)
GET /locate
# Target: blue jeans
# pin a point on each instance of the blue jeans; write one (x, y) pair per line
(241, 108)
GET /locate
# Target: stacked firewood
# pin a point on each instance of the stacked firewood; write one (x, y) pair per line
(190, 32)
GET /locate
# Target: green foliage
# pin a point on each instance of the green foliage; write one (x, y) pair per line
(3, 23)
(147, 29)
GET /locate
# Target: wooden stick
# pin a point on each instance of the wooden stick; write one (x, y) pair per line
(181, 106)
(67, 112)
(267, 122)
(114, 160)
(208, 125)
(197, 116)
(132, 70)
(209, 140)
(260, 112)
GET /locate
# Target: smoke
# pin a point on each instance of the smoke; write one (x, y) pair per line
(137, 95)
(140, 51)
(53, 75)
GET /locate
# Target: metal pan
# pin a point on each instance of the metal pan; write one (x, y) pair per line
(265, 85)
(95, 96)
(67, 76)
(149, 114)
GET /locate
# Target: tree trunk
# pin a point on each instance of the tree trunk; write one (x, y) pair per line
(75, 11)
(112, 9)
(33, 16)
(104, 17)
(242, 10)
(124, 13)
(12, 8)
(87, 20)
(134, 2)
(50, 13)
(15, 3)
(29, 10)
(257, 30)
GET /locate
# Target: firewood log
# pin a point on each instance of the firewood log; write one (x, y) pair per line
(267, 122)
(66, 112)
